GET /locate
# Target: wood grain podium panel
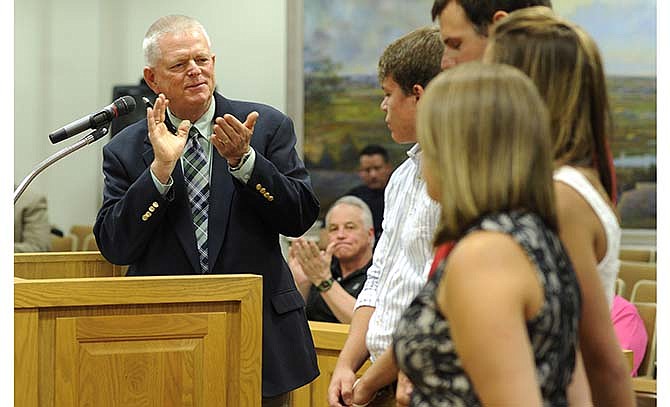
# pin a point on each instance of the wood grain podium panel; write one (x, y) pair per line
(158, 360)
(138, 341)
(328, 339)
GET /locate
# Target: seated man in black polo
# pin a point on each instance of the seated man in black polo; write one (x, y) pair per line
(331, 280)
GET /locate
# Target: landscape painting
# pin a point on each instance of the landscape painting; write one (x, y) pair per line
(342, 44)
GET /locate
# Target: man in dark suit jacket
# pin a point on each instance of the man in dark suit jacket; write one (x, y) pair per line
(258, 188)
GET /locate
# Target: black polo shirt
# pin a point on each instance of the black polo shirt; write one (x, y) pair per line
(317, 309)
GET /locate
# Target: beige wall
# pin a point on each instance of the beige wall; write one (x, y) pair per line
(70, 53)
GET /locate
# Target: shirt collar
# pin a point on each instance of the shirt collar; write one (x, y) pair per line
(414, 153)
(203, 124)
(336, 271)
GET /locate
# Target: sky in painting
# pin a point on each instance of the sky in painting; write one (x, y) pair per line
(625, 31)
(353, 33)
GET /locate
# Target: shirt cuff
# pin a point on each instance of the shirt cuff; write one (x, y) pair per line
(163, 189)
(244, 170)
(366, 299)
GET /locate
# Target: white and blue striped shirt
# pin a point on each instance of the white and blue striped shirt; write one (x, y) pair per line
(404, 254)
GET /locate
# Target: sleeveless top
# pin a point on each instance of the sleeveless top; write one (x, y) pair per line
(423, 344)
(608, 268)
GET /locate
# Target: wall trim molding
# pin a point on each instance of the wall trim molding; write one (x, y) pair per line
(294, 69)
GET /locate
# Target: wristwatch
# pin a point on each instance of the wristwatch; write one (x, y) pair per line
(325, 285)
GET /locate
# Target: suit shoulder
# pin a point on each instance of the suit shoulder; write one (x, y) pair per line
(244, 107)
(134, 134)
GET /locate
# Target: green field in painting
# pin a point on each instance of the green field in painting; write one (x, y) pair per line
(633, 104)
(338, 125)
(334, 132)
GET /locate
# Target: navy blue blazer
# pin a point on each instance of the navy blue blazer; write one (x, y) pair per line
(244, 228)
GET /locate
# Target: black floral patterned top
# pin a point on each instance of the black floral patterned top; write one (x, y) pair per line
(423, 344)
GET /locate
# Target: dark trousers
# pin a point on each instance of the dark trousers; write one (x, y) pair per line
(283, 400)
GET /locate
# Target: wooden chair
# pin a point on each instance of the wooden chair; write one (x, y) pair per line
(633, 271)
(645, 391)
(619, 287)
(634, 254)
(628, 355)
(81, 231)
(89, 243)
(63, 244)
(644, 291)
(647, 312)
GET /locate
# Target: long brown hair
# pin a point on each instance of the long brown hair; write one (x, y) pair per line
(565, 64)
(484, 134)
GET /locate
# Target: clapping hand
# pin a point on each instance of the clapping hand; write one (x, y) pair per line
(314, 263)
(167, 147)
(231, 137)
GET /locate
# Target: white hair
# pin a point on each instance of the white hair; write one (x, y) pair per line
(366, 215)
(164, 25)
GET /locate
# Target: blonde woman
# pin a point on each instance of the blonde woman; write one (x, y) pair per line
(564, 63)
(496, 323)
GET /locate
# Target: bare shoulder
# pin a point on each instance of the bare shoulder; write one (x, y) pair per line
(487, 251)
(488, 271)
(575, 214)
(487, 259)
(568, 200)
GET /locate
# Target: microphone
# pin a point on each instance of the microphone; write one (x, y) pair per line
(119, 107)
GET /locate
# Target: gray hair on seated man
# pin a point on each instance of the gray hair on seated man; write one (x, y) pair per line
(357, 202)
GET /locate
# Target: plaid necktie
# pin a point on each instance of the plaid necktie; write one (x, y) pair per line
(197, 186)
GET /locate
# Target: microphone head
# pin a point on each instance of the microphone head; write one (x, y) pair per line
(124, 105)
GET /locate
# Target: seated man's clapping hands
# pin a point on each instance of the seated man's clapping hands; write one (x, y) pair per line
(309, 264)
(330, 280)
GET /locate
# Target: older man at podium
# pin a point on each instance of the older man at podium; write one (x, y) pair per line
(205, 186)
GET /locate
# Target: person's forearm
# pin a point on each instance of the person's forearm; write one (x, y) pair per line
(609, 378)
(304, 287)
(355, 352)
(605, 366)
(382, 373)
(304, 290)
(340, 302)
(162, 170)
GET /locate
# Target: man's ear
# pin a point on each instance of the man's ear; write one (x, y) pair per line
(417, 91)
(497, 16)
(150, 79)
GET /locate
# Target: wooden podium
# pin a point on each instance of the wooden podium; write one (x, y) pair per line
(133, 341)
